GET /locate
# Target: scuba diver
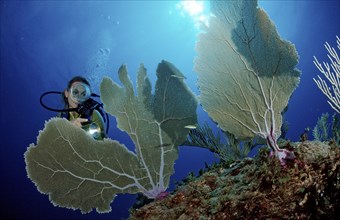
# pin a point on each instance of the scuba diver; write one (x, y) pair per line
(80, 109)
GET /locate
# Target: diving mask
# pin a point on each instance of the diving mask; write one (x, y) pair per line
(80, 92)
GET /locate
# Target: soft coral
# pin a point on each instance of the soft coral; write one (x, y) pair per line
(282, 154)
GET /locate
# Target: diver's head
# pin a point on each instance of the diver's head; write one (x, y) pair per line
(78, 91)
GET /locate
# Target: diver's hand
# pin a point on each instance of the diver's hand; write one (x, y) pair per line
(78, 121)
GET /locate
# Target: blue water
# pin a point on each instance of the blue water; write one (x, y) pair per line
(45, 43)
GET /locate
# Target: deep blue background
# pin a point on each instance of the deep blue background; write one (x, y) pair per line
(45, 43)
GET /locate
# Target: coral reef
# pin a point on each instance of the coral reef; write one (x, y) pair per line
(259, 188)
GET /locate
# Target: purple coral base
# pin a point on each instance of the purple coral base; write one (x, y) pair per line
(283, 155)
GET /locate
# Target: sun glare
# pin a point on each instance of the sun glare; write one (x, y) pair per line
(195, 9)
(192, 7)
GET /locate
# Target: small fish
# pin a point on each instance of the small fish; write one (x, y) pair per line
(190, 126)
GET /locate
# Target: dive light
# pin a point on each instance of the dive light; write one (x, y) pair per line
(92, 129)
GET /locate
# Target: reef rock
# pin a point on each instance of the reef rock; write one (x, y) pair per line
(259, 188)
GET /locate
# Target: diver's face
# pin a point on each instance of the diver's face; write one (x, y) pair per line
(78, 93)
(71, 102)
